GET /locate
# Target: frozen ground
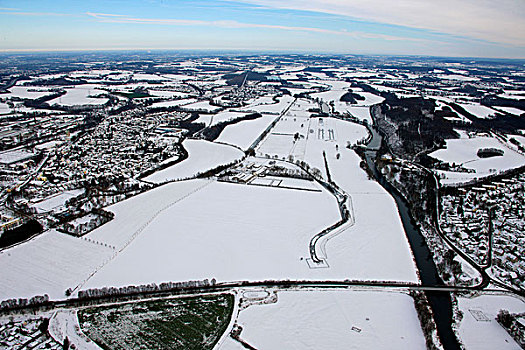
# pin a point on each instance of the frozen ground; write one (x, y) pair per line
(377, 234)
(173, 103)
(478, 110)
(31, 92)
(48, 264)
(227, 231)
(201, 106)
(4, 108)
(479, 328)
(15, 156)
(64, 323)
(56, 200)
(168, 93)
(79, 95)
(511, 110)
(338, 89)
(213, 119)
(243, 134)
(332, 320)
(134, 214)
(202, 156)
(361, 113)
(464, 151)
(273, 108)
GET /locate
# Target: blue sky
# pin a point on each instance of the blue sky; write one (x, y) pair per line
(477, 28)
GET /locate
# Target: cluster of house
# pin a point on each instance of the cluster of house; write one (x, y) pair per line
(26, 334)
(492, 213)
(124, 145)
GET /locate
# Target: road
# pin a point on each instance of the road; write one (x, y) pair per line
(230, 286)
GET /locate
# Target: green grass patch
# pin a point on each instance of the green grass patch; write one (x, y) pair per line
(178, 323)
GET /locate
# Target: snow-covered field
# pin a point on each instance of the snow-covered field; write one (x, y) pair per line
(371, 238)
(201, 106)
(134, 214)
(243, 134)
(4, 108)
(227, 231)
(213, 119)
(168, 93)
(15, 155)
(338, 90)
(148, 77)
(273, 108)
(361, 113)
(202, 156)
(48, 264)
(173, 103)
(331, 95)
(510, 110)
(56, 200)
(464, 151)
(478, 110)
(31, 92)
(479, 328)
(79, 95)
(370, 99)
(331, 320)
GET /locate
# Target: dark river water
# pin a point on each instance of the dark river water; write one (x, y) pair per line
(440, 302)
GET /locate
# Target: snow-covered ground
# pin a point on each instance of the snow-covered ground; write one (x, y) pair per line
(31, 92)
(464, 151)
(226, 231)
(273, 108)
(457, 77)
(213, 119)
(56, 201)
(15, 155)
(48, 264)
(201, 106)
(148, 77)
(510, 110)
(372, 237)
(338, 90)
(133, 214)
(370, 99)
(168, 93)
(64, 323)
(361, 113)
(243, 134)
(478, 110)
(173, 103)
(479, 328)
(4, 108)
(79, 95)
(331, 320)
(202, 156)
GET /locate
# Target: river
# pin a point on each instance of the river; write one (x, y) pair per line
(440, 302)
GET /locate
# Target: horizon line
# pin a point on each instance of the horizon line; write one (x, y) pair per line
(233, 50)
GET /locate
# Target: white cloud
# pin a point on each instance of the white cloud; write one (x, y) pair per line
(501, 21)
(115, 18)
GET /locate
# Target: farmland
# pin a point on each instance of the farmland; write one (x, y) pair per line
(265, 201)
(183, 323)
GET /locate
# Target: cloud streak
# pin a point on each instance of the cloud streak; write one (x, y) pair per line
(115, 18)
(501, 21)
(6, 11)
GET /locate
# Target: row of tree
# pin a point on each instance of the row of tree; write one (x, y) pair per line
(23, 302)
(145, 288)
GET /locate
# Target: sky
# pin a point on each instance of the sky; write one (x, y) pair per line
(464, 28)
